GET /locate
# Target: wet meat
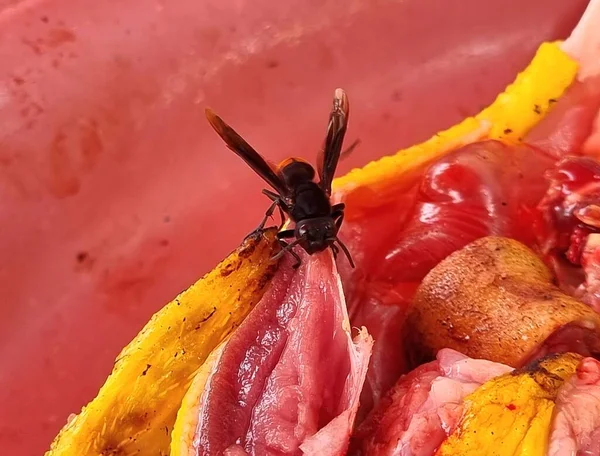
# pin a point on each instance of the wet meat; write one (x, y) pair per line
(289, 379)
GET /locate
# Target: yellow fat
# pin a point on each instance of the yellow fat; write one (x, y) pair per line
(135, 410)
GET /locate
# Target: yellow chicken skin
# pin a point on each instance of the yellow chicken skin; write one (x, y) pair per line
(135, 410)
(511, 415)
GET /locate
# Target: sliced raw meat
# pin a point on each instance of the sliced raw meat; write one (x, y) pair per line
(424, 407)
(567, 127)
(289, 379)
(576, 423)
(570, 233)
(480, 189)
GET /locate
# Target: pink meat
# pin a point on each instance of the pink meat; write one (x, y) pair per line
(566, 129)
(482, 189)
(424, 407)
(485, 188)
(289, 379)
(576, 422)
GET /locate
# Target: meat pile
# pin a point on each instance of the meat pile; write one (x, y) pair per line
(455, 284)
(434, 402)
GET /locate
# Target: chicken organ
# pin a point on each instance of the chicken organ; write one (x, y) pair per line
(494, 299)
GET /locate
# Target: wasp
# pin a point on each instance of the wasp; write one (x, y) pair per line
(295, 191)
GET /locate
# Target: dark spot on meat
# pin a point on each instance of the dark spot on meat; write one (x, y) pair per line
(229, 268)
(548, 381)
(167, 430)
(166, 219)
(537, 109)
(205, 319)
(164, 242)
(504, 203)
(272, 64)
(511, 407)
(248, 247)
(44, 19)
(266, 278)
(507, 131)
(111, 450)
(148, 366)
(18, 80)
(82, 256)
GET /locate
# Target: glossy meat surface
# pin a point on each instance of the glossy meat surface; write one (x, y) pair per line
(424, 407)
(289, 379)
(482, 189)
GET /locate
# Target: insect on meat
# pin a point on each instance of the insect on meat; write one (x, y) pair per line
(306, 202)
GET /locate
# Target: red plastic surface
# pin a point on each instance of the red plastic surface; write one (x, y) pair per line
(114, 193)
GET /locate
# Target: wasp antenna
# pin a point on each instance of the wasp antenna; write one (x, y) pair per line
(346, 252)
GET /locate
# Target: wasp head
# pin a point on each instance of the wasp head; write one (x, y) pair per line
(316, 234)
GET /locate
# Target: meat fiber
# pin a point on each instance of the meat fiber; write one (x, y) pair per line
(289, 379)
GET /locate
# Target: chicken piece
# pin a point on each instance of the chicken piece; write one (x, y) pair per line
(494, 299)
(287, 382)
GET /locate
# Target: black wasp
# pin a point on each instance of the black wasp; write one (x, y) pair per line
(306, 202)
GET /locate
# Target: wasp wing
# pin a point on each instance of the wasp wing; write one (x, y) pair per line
(330, 154)
(246, 152)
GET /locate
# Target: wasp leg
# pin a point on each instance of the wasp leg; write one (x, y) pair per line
(280, 204)
(286, 234)
(259, 229)
(348, 150)
(288, 247)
